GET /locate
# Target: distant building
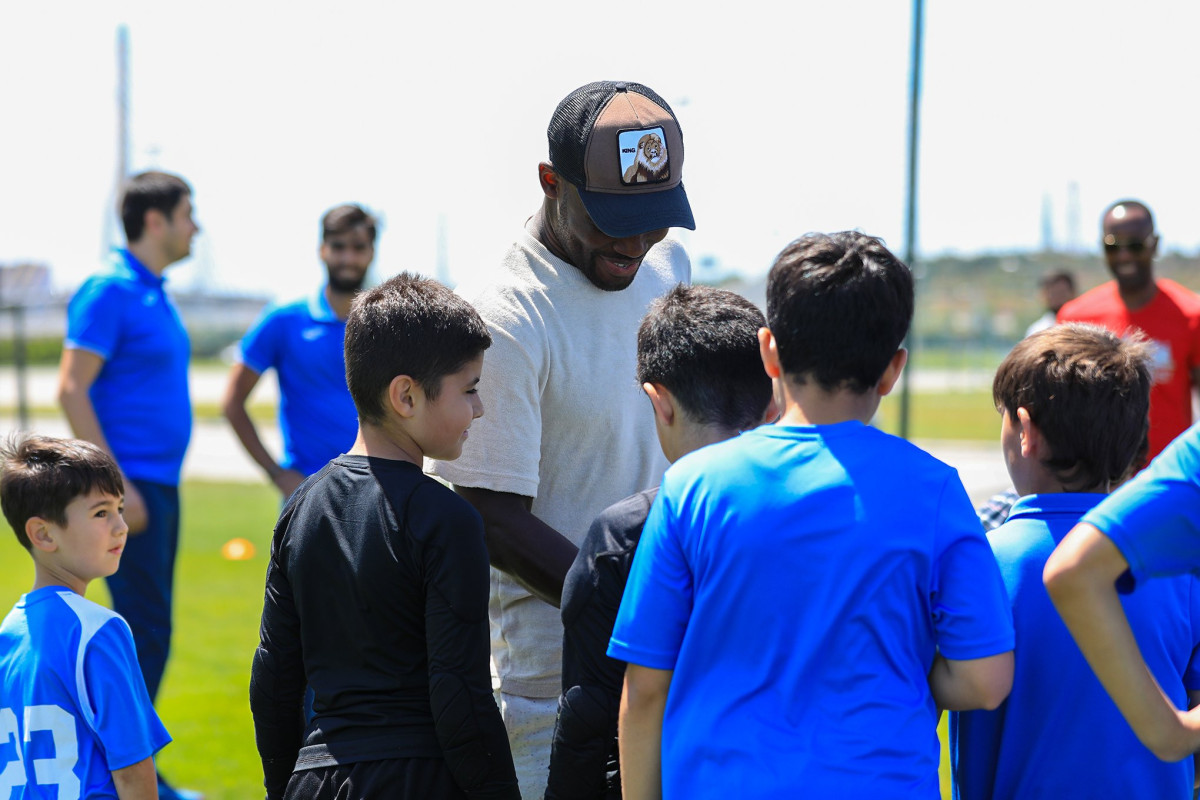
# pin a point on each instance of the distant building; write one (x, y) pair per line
(25, 284)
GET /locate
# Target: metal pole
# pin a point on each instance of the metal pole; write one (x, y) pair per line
(910, 211)
(18, 318)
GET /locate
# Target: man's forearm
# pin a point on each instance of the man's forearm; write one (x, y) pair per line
(81, 417)
(247, 434)
(521, 545)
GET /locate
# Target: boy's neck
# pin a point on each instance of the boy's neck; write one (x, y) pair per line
(46, 575)
(692, 436)
(810, 404)
(381, 441)
(1040, 480)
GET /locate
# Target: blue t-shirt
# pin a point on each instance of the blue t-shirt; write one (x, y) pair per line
(1059, 734)
(1154, 520)
(73, 706)
(799, 581)
(141, 393)
(304, 342)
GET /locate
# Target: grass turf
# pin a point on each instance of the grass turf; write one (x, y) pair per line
(204, 698)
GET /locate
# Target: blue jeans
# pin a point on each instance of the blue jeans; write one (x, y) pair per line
(142, 587)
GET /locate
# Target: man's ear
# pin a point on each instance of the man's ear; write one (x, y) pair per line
(1033, 444)
(404, 395)
(153, 221)
(769, 352)
(663, 402)
(550, 181)
(891, 373)
(38, 531)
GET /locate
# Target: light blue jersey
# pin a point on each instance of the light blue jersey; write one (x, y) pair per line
(73, 706)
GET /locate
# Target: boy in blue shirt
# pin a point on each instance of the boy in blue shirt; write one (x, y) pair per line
(75, 717)
(1074, 401)
(697, 361)
(1149, 528)
(806, 596)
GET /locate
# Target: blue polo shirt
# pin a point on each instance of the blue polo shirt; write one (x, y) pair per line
(303, 342)
(141, 394)
(1058, 734)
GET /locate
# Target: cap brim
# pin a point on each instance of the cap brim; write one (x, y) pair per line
(621, 215)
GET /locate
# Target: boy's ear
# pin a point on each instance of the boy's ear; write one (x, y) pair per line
(402, 395)
(891, 373)
(38, 531)
(1032, 442)
(769, 352)
(663, 402)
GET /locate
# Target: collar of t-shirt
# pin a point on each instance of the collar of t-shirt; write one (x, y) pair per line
(140, 271)
(319, 308)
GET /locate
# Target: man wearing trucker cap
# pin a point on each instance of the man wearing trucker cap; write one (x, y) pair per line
(566, 434)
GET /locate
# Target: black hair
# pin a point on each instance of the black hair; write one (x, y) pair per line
(701, 344)
(413, 326)
(839, 306)
(42, 475)
(160, 191)
(341, 219)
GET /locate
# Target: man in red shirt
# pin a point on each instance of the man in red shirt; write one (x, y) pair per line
(1167, 313)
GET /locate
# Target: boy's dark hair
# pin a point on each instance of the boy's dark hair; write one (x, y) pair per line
(839, 306)
(340, 219)
(149, 190)
(702, 345)
(410, 326)
(41, 475)
(1088, 392)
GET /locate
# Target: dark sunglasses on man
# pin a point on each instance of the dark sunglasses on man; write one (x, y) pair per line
(1111, 245)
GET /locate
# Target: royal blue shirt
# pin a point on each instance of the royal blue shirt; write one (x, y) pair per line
(1059, 734)
(799, 580)
(73, 706)
(141, 394)
(1154, 520)
(304, 343)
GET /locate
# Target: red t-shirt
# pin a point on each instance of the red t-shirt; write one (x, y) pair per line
(1172, 321)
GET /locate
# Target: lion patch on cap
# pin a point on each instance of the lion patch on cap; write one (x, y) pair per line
(647, 161)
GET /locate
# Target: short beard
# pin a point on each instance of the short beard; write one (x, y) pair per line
(342, 286)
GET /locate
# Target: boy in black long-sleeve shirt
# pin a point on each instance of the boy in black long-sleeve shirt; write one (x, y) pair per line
(377, 587)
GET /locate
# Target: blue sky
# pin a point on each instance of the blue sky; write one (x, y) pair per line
(794, 120)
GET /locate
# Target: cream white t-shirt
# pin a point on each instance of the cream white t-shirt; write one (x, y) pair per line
(564, 422)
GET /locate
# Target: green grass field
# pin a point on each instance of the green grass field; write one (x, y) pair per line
(204, 699)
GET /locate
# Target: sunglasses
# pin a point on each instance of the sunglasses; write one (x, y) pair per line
(1111, 245)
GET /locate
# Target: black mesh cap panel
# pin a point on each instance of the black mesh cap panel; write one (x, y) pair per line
(572, 123)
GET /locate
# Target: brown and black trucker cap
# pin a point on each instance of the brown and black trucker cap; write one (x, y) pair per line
(620, 145)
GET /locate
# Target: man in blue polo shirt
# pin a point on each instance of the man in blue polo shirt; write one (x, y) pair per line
(123, 385)
(303, 342)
